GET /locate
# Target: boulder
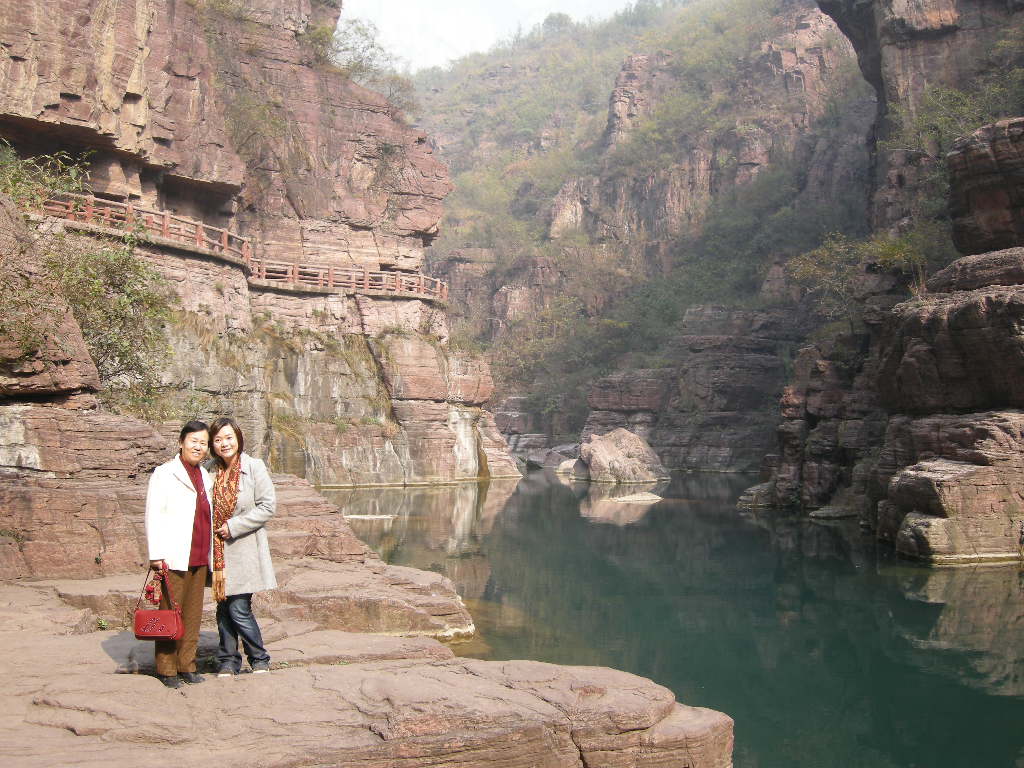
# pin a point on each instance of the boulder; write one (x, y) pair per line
(618, 457)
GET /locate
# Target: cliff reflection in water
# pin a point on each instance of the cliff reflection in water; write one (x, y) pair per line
(826, 651)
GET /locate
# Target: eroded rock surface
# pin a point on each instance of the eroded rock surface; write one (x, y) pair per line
(987, 174)
(904, 48)
(222, 113)
(958, 351)
(952, 486)
(715, 407)
(619, 456)
(333, 698)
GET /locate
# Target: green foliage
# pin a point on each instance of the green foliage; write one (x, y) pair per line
(709, 50)
(918, 252)
(29, 181)
(929, 126)
(236, 10)
(559, 70)
(255, 124)
(354, 48)
(319, 38)
(942, 114)
(832, 272)
(121, 305)
(119, 302)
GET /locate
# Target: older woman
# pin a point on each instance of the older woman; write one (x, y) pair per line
(178, 533)
(243, 501)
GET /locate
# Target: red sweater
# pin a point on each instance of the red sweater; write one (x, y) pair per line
(201, 526)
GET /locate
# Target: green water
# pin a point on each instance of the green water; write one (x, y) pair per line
(825, 649)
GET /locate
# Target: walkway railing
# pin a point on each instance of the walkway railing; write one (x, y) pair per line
(195, 234)
(126, 216)
(349, 279)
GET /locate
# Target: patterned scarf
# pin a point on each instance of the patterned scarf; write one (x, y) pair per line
(225, 496)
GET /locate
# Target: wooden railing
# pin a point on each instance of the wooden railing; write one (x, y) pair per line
(349, 279)
(163, 224)
(126, 216)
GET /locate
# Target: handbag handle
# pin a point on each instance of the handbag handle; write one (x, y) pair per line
(167, 586)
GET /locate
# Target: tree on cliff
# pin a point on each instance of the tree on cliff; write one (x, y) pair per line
(354, 48)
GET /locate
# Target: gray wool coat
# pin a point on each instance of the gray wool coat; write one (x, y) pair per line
(247, 564)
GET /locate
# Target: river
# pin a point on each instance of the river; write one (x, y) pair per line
(825, 648)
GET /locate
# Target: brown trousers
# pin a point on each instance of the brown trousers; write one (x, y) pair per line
(176, 656)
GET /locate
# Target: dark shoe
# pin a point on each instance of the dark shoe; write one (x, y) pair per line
(171, 681)
(226, 672)
(191, 677)
(261, 667)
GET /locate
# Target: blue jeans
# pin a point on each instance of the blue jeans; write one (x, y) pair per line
(235, 620)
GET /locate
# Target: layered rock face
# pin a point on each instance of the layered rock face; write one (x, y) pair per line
(338, 389)
(907, 426)
(987, 204)
(188, 104)
(904, 48)
(715, 408)
(922, 440)
(949, 481)
(219, 111)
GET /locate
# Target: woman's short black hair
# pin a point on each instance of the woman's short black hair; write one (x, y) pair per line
(217, 426)
(192, 426)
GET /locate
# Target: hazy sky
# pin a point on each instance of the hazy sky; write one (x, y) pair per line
(426, 33)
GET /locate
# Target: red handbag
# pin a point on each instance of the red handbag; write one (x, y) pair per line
(159, 623)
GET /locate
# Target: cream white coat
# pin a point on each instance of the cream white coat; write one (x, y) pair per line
(171, 513)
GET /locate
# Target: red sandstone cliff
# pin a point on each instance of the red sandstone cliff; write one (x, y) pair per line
(920, 435)
(904, 48)
(220, 111)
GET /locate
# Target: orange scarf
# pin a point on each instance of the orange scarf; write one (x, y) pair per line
(225, 496)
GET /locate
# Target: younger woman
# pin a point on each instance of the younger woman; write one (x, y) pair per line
(243, 501)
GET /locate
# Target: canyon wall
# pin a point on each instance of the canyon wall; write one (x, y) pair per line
(911, 424)
(228, 113)
(712, 403)
(905, 48)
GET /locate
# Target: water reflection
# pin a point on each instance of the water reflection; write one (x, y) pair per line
(826, 651)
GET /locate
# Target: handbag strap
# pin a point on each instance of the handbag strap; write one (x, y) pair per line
(167, 586)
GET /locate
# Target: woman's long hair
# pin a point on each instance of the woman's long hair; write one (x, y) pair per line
(217, 426)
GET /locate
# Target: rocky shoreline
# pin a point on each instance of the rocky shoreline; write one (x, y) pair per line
(333, 698)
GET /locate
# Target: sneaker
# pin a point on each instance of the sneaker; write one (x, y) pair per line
(226, 672)
(171, 681)
(261, 668)
(191, 677)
